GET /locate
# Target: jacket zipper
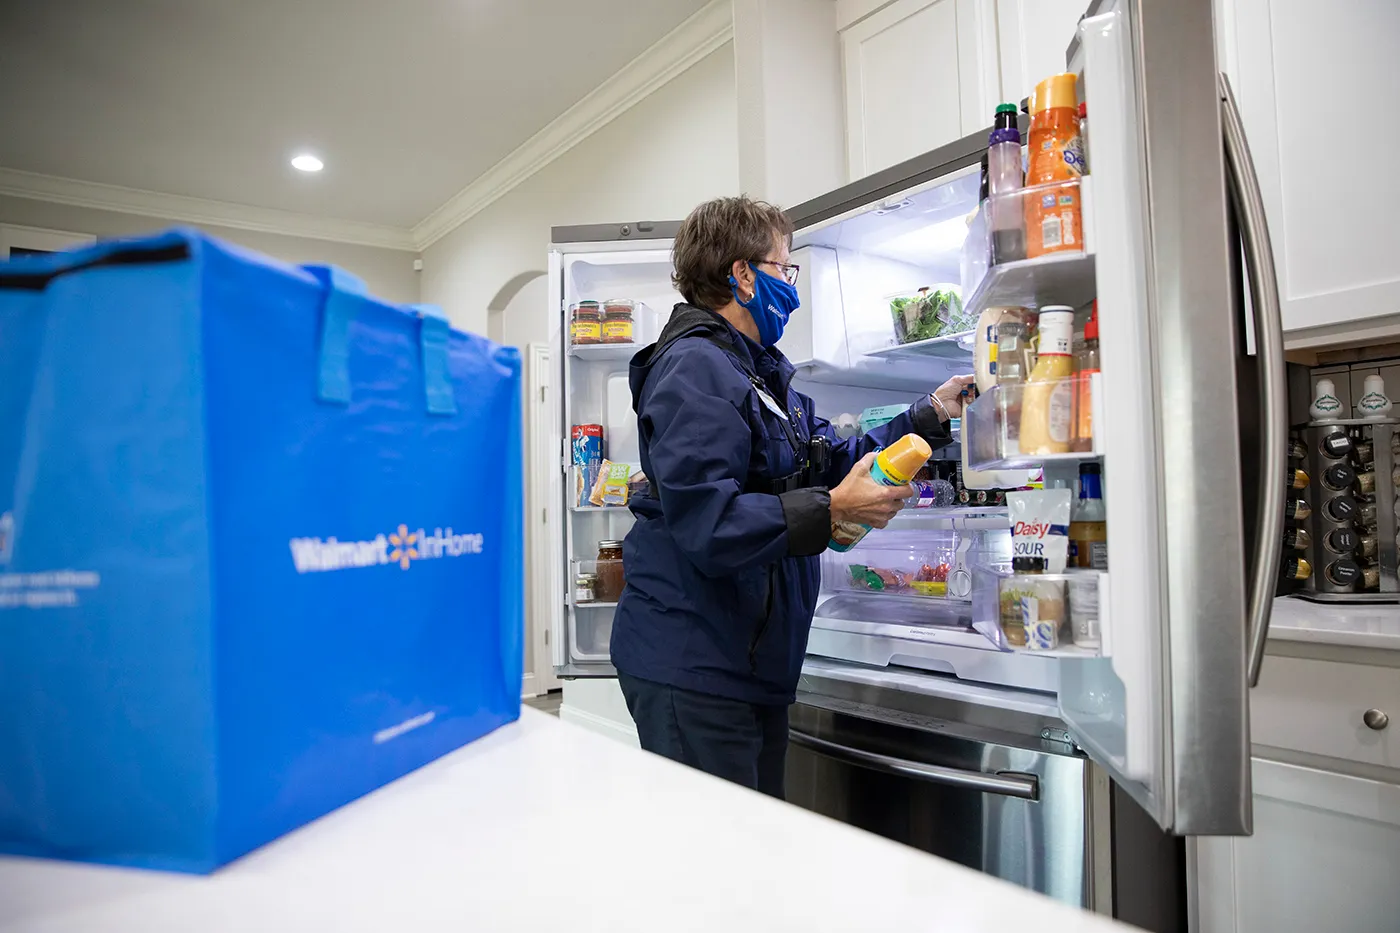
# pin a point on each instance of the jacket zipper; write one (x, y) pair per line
(762, 623)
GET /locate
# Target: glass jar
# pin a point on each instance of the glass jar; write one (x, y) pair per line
(585, 588)
(617, 320)
(611, 580)
(585, 324)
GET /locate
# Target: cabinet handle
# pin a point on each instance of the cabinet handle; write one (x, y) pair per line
(1375, 719)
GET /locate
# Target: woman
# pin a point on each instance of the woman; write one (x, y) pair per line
(745, 482)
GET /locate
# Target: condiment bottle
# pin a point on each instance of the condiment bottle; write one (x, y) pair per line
(1297, 510)
(1047, 401)
(1086, 364)
(1297, 539)
(1295, 568)
(1004, 177)
(1056, 161)
(893, 466)
(1015, 360)
(611, 574)
(1088, 526)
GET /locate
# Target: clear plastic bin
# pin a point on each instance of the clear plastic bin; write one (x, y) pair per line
(1041, 220)
(893, 563)
(1051, 612)
(999, 438)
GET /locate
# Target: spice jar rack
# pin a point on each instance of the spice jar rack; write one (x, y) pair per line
(1353, 532)
(993, 425)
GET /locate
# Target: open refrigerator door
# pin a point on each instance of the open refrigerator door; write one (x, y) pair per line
(1142, 638)
(610, 292)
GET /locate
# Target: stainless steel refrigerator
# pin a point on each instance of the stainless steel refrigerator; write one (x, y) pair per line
(1190, 420)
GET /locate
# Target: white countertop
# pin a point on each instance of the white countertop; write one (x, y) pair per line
(545, 826)
(1360, 626)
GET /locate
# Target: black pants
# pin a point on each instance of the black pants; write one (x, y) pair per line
(741, 742)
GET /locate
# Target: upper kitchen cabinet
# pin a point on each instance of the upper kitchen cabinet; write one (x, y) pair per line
(916, 78)
(923, 73)
(1032, 36)
(1315, 84)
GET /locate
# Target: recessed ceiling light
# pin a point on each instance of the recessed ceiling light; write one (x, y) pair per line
(307, 163)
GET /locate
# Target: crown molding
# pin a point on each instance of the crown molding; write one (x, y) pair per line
(199, 210)
(704, 32)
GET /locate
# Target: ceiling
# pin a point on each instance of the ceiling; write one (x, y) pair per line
(406, 102)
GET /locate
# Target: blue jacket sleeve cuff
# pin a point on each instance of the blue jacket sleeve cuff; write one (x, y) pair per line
(808, 516)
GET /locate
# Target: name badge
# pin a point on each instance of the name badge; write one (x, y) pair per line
(771, 403)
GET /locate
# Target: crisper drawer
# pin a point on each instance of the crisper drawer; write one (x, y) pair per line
(904, 563)
(1321, 707)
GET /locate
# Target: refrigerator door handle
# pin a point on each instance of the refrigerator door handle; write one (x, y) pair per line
(1004, 783)
(1268, 339)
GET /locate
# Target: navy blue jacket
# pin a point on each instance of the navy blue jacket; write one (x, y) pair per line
(722, 574)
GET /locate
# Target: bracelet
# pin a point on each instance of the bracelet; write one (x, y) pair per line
(943, 408)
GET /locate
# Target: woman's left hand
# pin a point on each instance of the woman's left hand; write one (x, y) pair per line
(950, 396)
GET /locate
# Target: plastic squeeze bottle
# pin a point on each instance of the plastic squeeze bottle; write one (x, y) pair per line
(1086, 363)
(1047, 401)
(1005, 178)
(893, 466)
(1056, 162)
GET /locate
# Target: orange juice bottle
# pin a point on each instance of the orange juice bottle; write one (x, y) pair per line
(1053, 222)
(893, 466)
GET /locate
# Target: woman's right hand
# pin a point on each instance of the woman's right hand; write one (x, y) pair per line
(861, 500)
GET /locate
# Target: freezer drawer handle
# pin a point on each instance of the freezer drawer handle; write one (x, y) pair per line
(1268, 339)
(1005, 783)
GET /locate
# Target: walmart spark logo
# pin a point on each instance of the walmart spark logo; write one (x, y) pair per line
(403, 542)
(402, 547)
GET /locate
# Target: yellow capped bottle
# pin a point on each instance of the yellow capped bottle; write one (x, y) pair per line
(1047, 402)
(893, 466)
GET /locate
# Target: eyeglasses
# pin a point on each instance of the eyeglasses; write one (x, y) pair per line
(789, 270)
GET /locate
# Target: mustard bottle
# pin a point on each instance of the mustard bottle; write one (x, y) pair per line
(1047, 400)
(893, 466)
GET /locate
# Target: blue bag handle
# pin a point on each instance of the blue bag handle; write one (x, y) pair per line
(433, 338)
(337, 311)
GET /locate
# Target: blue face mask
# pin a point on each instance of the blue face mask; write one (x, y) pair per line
(773, 302)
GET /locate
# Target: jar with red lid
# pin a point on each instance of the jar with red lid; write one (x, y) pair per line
(611, 579)
(617, 320)
(585, 323)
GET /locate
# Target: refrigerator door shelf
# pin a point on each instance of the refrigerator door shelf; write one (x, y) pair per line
(607, 352)
(993, 424)
(1056, 279)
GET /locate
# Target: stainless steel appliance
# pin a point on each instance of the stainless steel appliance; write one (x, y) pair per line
(1191, 395)
(985, 777)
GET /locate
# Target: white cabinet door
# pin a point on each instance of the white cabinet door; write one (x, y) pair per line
(1314, 85)
(1032, 36)
(915, 80)
(1323, 856)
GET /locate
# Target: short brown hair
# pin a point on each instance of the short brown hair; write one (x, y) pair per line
(716, 235)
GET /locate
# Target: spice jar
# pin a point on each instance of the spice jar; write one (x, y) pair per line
(585, 588)
(617, 320)
(608, 588)
(586, 323)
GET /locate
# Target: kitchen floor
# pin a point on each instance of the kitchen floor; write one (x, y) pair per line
(548, 703)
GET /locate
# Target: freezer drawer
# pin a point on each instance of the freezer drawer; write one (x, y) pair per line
(1015, 812)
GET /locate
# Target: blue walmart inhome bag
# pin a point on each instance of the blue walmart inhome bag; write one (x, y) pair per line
(260, 548)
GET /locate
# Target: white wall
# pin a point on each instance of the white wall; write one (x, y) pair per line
(674, 149)
(656, 161)
(387, 272)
